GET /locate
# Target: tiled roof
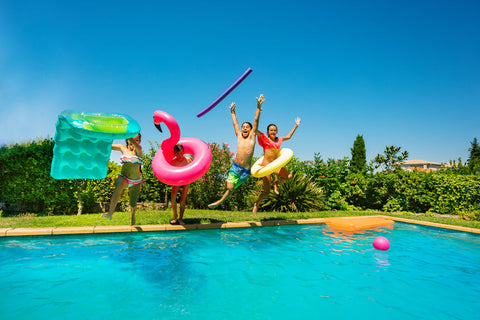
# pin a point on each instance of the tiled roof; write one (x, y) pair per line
(419, 162)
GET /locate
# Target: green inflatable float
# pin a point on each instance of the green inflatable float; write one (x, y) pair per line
(83, 142)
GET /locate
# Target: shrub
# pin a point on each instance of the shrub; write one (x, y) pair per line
(297, 194)
(355, 189)
(329, 175)
(454, 193)
(26, 184)
(392, 205)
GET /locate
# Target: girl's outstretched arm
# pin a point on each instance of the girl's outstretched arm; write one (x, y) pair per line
(290, 134)
(117, 147)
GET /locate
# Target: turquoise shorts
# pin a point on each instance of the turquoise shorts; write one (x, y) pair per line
(238, 175)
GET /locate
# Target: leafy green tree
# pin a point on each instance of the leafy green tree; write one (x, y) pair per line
(474, 159)
(358, 164)
(391, 158)
(329, 175)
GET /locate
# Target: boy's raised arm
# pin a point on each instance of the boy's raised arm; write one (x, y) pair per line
(260, 101)
(235, 120)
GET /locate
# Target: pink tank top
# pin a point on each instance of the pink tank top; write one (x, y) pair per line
(266, 143)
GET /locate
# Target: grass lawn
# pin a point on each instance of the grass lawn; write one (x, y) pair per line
(202, 216)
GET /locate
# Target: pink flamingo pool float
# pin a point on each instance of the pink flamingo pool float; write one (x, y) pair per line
(179, 176)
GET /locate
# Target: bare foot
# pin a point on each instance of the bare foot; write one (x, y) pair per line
(107, 216)
(213, 205)
(180, 221)
(275, 188)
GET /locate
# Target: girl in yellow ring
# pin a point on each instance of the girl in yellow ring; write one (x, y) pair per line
(271, 149)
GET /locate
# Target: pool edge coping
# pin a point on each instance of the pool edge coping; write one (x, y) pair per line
(11, 232)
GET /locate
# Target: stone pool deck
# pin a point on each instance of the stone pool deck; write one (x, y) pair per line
(9, 232)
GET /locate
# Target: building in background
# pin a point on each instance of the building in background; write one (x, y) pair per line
(420, 165)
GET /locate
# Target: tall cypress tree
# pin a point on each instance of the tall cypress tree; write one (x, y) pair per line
(474, 159)
(359, 157)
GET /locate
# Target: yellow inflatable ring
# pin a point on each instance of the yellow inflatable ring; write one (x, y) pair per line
(259, 171)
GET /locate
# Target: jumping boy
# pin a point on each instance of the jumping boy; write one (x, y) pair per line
(240, 170)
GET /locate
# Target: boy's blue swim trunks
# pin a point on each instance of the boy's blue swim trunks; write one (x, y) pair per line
(238, 175)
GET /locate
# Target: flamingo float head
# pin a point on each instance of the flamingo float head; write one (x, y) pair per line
(172, 125)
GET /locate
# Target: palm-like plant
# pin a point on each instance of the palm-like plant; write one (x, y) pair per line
(297, 194)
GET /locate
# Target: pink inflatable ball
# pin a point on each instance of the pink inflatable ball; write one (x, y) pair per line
(381, 243)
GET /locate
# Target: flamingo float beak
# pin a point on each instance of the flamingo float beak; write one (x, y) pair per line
(157, 120)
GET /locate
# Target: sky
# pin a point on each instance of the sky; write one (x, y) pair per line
(402, 73)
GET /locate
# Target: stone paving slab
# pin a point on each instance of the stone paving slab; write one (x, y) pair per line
(436, 225)
(29, 231)
(73, 230)
(110, 229)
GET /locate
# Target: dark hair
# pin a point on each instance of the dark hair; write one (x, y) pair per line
(178, 148)
(139, 135)
(271, 124)
(251, 127)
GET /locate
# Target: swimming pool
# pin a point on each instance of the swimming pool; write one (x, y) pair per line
(284, 272)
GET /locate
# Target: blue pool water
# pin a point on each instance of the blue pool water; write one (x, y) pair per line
(285, 272)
